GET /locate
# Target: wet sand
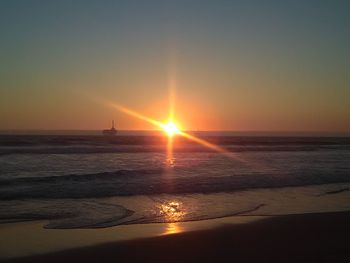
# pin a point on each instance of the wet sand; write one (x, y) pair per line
(323, 237)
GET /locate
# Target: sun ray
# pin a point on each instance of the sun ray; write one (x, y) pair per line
(206, 144)
(179, 132)
(138, 115)
(172, 95)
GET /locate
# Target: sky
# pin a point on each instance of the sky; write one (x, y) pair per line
(231, 65)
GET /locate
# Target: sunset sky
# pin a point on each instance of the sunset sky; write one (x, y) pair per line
(234, 65)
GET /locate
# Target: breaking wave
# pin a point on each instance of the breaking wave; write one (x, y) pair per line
(158, 181)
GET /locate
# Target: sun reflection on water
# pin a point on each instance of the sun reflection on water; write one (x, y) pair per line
(170, 162)
(172, 228)
(172, 211)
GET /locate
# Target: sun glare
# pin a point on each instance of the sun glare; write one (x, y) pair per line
(170, 129)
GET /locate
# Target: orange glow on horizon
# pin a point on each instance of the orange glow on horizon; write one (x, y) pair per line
(170, 128)
(138, 115)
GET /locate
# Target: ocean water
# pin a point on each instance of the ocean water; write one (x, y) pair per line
(92, 181)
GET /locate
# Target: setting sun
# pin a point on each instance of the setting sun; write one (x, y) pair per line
(170, 129)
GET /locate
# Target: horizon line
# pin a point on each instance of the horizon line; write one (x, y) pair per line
(347, 133)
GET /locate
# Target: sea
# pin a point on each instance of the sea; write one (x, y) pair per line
(86, 180)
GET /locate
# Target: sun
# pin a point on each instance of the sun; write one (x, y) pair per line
(171, 129)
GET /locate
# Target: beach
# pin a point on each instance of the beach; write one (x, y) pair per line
(94, 199)
(174, 131)
(318, 237)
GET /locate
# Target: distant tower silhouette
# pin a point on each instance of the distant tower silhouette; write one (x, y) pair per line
(111, 131)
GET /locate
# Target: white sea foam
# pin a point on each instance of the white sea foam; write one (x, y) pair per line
(106, 212)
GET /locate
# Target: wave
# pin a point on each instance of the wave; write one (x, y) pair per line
(336, 191)
(99, 144)
(157, 181)
(157, 149)
(168, 208)
(93, 213)
(65, 214)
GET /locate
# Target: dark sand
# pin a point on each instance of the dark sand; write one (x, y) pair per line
(294, 238)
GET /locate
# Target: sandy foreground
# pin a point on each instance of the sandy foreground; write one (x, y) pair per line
(323, 237)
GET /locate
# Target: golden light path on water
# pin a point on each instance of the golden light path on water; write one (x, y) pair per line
(172, 228)
(174, 211)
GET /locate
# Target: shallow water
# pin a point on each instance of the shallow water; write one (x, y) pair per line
(93, 181)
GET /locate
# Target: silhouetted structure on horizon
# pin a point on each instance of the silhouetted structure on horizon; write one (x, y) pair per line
(111, 131)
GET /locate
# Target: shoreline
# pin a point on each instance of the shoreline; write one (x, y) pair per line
(316, 237)
(37, 240)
